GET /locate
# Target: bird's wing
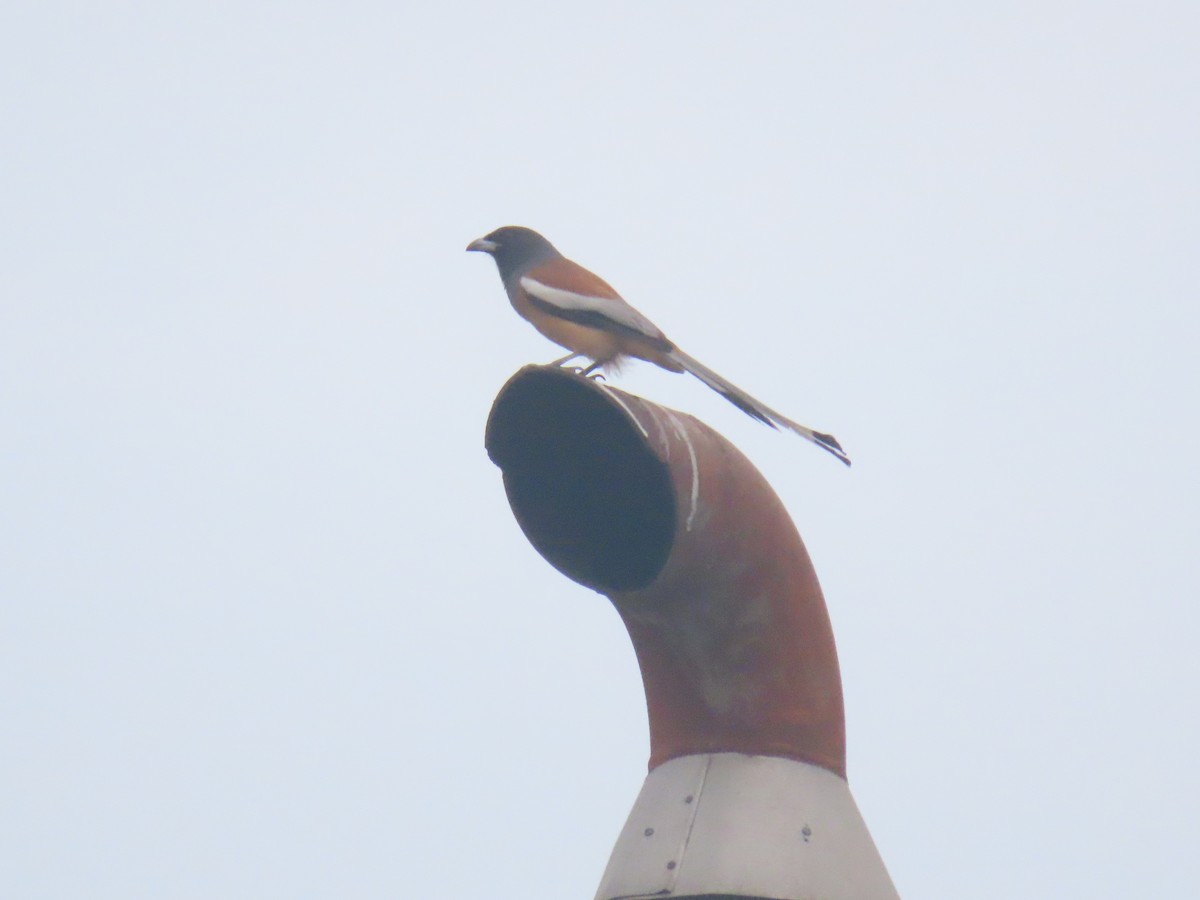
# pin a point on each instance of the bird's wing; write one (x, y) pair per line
(563, 288)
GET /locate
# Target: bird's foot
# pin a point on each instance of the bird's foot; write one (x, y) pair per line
(588, 373)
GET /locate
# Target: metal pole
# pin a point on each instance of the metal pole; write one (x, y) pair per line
(746, 795)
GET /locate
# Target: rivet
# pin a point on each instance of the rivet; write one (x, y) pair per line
(648, 832)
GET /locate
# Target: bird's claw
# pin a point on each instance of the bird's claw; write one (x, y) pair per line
(587, 372)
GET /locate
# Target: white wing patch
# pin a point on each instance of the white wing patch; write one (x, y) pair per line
(611, 308)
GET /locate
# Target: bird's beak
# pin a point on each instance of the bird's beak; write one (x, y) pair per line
(483, 245)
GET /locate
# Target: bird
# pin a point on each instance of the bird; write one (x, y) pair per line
(580, 311)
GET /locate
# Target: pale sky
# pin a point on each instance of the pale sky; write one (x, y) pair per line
(267, 625)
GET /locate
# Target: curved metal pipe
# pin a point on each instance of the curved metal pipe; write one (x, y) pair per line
(698, 555)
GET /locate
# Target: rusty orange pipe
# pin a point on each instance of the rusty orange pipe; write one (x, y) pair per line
(668, 519)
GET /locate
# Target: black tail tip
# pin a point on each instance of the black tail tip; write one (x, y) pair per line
(830, 443)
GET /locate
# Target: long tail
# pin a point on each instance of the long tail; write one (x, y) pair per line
(755, 408)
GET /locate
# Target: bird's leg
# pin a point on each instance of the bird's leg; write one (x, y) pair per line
(584, 373)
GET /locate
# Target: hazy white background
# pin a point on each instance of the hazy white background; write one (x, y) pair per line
(267, 627)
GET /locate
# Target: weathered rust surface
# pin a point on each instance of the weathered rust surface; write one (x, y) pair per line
(698, 555)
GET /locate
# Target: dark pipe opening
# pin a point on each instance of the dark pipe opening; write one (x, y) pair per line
(584, 486)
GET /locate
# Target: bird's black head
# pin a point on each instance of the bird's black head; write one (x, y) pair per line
(515, 249)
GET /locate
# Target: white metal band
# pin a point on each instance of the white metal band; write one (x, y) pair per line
(756, 826)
